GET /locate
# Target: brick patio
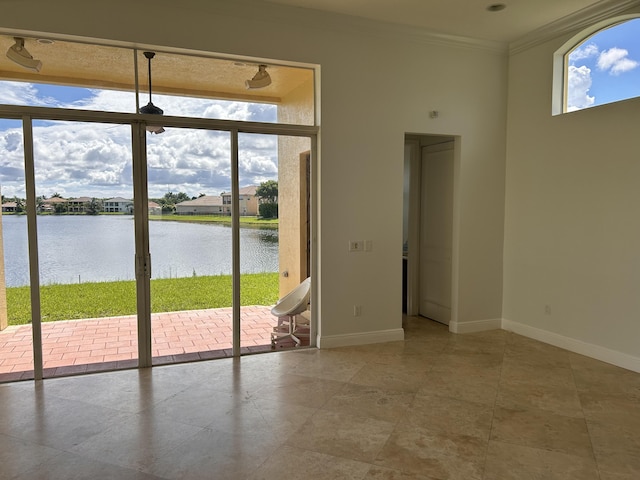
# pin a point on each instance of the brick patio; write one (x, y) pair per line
(82, 346)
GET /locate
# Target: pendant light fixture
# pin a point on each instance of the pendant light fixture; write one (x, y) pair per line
(150, 108)
(21, 56)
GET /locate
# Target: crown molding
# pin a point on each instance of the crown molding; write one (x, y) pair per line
(576, 21)
(441, 39)
(320, 20)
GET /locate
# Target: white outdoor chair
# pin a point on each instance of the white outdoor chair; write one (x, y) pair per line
(287, 310)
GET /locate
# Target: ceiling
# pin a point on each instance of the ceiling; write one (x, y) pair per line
(67, 63)
(467, 18)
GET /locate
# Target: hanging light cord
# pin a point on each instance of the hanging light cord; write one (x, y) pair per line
(149, 56)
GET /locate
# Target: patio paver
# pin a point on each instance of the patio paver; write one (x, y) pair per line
(80, 346)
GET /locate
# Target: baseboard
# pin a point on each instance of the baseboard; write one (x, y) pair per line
(365, 338)
(476, 326)
(577, 346)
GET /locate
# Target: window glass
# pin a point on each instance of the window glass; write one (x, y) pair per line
(71, 75)
(605, 67)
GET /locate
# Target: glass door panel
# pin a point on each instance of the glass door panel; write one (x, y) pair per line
(83, 178)
(274, 233)
(189, 180)
(16, 336)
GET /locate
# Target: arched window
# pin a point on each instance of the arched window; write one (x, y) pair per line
(600, 65)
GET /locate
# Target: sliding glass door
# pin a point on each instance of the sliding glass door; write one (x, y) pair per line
(151, 249)
(273, 200)
(16, 334)
(85, 246)
(190, 241)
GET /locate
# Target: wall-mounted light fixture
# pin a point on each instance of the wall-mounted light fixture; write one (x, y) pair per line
(18, 54)
(260, 79)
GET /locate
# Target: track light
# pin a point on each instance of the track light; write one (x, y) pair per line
(150, 108)
(260, 79)
(19, 55)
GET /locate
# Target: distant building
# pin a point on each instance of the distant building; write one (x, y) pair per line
(205, 205)
(78, 205)
(9, 207)
(49, 205)
(247, 200)
(154, 209)
(118, 205)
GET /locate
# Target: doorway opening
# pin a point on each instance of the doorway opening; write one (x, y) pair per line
(428, 226)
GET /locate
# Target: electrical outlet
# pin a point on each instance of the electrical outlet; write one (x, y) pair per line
(356, 246)
(357, 310)
(547, 309)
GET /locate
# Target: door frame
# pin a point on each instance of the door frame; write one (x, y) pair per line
(413, 146)
(138, 125)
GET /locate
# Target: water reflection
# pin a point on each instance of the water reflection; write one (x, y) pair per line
(85, 248)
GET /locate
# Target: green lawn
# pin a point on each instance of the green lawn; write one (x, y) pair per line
(246, 221)
(224, 219)
(110, 299)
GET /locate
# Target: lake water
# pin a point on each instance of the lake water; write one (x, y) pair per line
(85, 248)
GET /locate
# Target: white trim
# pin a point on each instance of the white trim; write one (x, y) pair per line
(475, 326)
(573, 345)
(577, 21)
(365, 338)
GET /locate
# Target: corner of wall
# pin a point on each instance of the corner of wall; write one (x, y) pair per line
(475, 326)
(365, 338)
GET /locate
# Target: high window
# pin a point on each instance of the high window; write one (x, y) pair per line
(600, 65)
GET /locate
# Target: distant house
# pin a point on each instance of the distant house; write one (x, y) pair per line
(49, 205)
(205, 205)
(78, 205)
(9, 207)
(248, 202)
(118, 205)
(154, 209)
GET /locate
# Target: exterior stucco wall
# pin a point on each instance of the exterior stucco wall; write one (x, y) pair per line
(296, 108)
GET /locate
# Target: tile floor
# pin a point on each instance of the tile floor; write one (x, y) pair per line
(491, 406)
(99, 344)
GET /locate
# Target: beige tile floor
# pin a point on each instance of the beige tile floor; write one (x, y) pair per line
(492, 406)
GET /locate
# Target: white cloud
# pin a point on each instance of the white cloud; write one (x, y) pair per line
(579, 83)
(20, 93)
(616, 61)
(586, 51)
(108, 100)
(623, 65)
(85, 159)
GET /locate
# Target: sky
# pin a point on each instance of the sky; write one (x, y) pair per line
(94, 160)
(606, 67)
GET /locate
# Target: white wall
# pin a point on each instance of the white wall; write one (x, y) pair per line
(572, 231)
(377, 84)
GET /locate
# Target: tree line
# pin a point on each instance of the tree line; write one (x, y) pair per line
(267, 192)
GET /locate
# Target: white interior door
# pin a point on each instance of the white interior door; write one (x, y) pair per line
(436, 230)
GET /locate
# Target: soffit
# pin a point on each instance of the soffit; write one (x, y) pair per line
(97, 66)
